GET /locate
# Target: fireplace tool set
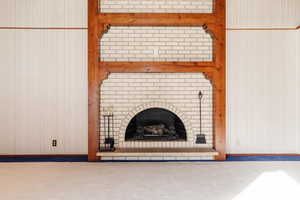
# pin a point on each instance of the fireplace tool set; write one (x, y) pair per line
(200, 138)
(108, 126)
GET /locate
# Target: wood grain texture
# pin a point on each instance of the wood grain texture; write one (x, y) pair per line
(93, 57)
(157, 19)
(158, 66)
(220, 81)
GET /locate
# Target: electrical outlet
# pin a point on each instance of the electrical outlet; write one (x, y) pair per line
(54, 143)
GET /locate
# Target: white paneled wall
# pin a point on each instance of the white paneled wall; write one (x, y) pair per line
(298, 85)
(43, 13)
(263, 77)
(43, 77)
(262, 92)
(7, 91)
(51, 88)
(44, 87)
(263, 13)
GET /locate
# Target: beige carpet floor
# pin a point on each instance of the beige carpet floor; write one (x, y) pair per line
(150, 181)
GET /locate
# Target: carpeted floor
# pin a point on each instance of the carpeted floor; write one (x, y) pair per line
(150, 181)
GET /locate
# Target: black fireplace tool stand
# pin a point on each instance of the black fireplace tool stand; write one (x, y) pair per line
(108, 126)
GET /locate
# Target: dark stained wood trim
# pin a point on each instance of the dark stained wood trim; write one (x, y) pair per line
(157, 19)
(213, 23)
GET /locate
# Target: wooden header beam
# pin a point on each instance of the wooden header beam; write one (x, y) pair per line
(157, 66)
(156, 19)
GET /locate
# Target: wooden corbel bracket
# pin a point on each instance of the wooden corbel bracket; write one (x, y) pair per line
(210, 29)
(103, 73)
(103, 28)
(209, 76)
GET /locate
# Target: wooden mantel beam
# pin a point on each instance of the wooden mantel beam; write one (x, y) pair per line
(135, 67)
(157, 19)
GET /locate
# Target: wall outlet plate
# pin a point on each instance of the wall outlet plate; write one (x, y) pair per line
(54, 143)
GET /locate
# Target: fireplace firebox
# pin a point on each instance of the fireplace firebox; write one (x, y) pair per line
(155, 124)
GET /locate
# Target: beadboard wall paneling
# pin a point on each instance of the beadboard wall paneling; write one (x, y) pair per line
(262, 92)
(298, 86)
(263, 13)
(43, 13)
(7, 94)
(43, 77)
(7, 13)
(47, 94)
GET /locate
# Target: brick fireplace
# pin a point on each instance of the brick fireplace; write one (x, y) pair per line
(157, 80)
(131, 93)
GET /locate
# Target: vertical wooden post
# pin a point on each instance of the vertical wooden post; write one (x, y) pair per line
(220, 80)
(93, 60)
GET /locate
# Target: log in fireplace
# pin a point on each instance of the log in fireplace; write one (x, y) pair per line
(155, 124)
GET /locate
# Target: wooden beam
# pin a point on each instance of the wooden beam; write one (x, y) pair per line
(220, 81)
(158, 67)
(156, 19)
(93, 82)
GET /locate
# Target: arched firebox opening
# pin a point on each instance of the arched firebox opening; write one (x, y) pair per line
(155, 124)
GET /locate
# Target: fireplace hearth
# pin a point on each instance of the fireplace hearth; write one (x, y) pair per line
(155, 124)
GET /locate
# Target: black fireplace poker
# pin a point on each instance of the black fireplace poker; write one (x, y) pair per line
(200, 138)
(108, 122)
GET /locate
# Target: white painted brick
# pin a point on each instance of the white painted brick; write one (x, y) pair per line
(125, 91)
(170, 43)
(156, 6)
